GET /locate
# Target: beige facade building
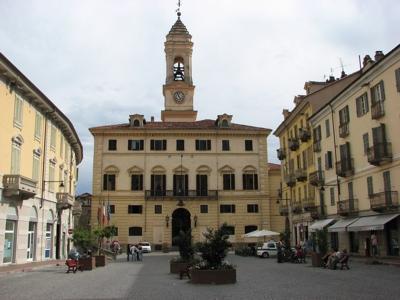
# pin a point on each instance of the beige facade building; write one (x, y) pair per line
(158, 177)
(39, 151)
(298, 143)
(361, 183)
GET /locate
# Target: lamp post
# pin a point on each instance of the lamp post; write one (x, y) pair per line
(167, 221)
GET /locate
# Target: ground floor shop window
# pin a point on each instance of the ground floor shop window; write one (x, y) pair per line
(9, 241)
(334, 240)
(48, 241)
(393, 237)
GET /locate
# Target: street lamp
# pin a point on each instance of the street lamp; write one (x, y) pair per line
(195, 220)
(167, 220)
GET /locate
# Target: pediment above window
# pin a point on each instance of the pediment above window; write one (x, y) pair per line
(180, 169)
(137, 120)
(203, 169)
(17, 139)
(111, 170)
(226, 169)
(249, 169)
(158, 170)
(135, 170)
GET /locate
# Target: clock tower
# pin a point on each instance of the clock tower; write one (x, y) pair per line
(178, 89)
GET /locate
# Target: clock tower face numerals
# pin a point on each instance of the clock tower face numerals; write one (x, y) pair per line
(179, 97)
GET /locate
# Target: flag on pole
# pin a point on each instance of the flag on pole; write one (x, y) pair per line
(104, 214)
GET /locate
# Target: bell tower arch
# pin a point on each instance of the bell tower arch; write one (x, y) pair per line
(178, 89)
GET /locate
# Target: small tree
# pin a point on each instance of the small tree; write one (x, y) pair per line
(215, 247)
(83, 239)
(184, 242)
(321, 240)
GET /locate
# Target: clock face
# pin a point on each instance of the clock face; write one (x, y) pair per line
(179, 96)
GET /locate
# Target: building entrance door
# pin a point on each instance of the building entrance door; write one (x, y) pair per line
(180, 221)
(31, 241)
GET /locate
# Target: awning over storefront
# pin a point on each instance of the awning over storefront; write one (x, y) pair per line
(320, 224)
(341, 225)
(371, 223)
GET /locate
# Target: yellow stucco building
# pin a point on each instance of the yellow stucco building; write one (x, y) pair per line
(298, 144)
(158, 177)
(39, 153)
(362, 178)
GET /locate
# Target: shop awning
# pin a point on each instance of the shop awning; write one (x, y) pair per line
(371, 223)
(341, 225)
(320, 224)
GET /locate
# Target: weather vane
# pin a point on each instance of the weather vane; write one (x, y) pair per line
(179, 8)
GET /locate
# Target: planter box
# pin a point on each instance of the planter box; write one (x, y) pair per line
(101, 260)
(316, 259)
(177, 267)
(213, 276)
(87, 263)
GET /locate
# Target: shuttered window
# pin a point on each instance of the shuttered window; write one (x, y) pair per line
(327, 128)
(203, 145)
(365, 142)
(135, 145)
(53, 133)
(332, 196)
(137, 182)
(328, 160)
(362, 105)
(18, 110)
(35, 167)
(378, 93)
(397, 74)
(158, 145)
(228, 181)
(38, 126)
(250, 181)
(15, 159)
(370, 186)
(201, 185)
(109, 182)
(344, 116)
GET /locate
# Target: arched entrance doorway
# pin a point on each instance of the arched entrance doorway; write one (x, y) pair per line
(180, 221)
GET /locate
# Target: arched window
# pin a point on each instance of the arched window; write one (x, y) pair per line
(179, 69)
(136, 123)
(224, 123)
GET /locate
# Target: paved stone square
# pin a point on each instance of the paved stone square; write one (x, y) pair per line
(257, 279)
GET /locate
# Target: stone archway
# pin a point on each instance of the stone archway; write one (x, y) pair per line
(180, 221)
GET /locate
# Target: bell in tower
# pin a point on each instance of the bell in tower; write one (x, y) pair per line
(179, 69)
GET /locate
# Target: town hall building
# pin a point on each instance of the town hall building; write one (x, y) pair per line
(160, 177)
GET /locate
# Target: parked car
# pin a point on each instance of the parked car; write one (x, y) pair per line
(146, 247)
(267, 249)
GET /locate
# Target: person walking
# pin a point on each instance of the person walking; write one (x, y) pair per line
(374, 244)
(134, 253)
(128, 250)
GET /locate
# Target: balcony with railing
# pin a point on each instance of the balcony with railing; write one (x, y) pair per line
(297, 208)
(290, 179)
(347, 207)
(281, 153)
(380, 154)
(64, 200)
(316, 178)
(19, 187)
(187, 195)
(382, 201)
(309, 204)
(317, 146)
(283, 209)
(304, 134)
(345, 168)
(293, 144)
(377, 110)
(344, 130)
(301, 175)
(318, 212)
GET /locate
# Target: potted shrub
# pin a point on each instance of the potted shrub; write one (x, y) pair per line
(84, 242)
(185, 259)
(103, 233)
(213, 269)
(165, 247)
(320, 240)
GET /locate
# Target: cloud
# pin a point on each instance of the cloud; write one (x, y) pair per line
(100, 60)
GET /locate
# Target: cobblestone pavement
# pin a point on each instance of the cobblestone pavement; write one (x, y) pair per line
(257, 279)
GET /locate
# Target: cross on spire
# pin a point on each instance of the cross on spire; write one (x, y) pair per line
(178, 11)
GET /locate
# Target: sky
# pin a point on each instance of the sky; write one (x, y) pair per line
(101, 60)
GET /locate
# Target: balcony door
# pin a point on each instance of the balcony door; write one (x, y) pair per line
(158, 185)
(387, 185)
(181, 183)
(379, 141)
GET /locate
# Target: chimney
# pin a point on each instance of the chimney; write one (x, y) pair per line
(379, 55)
(367, 59)
(152, 119)
(285, 113)
(343, 74)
